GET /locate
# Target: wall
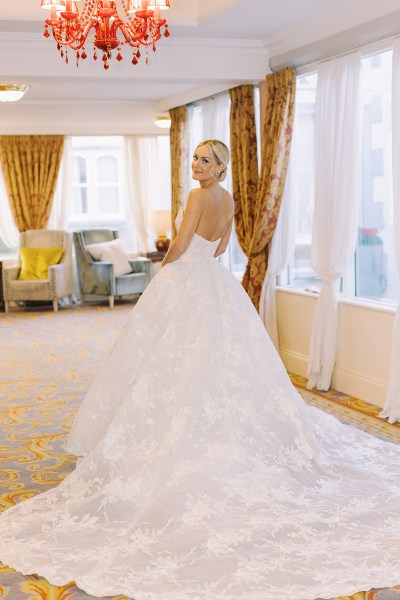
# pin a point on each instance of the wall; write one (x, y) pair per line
(363, 354)
(78, 119)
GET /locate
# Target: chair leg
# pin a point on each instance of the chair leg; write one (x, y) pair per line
(55, 305)
(6, 306)
(111, 301)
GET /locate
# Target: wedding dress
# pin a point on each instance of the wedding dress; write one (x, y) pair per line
(203, 474)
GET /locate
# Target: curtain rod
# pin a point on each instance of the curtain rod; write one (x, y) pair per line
(313, 64)
(212, 96)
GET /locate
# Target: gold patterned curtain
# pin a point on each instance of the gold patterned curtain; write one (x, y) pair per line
(30, 165)
(179, 154)
(260, 220)
(244, 162)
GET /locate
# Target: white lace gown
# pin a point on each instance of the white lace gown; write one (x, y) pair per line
(204, 475)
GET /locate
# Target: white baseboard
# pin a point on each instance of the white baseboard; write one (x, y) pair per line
(354, 384)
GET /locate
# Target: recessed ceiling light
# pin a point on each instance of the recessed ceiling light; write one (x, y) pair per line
(163, 121)
(11, 92)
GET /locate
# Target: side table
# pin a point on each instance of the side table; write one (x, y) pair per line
(156, 260)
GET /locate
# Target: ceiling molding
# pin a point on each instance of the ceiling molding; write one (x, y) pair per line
(88, 120)
(208, 10)
(91, 102)
(19, 38)
(34, 56)
(355, 13)
(228, 43)
(194, 94)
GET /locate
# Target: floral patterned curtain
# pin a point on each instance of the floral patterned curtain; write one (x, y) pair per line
(30, 165)
(179, 158)
(244, 162)
(257, 206)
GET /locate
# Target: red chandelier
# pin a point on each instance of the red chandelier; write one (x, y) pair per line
(142, 26)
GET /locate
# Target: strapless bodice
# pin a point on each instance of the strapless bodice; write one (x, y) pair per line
(199, 247)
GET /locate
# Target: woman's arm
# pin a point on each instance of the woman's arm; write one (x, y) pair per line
(188, 227)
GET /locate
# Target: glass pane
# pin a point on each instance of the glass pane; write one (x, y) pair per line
(107, 169)
(79, 201)
(107, 198)
(79, 170)
(376, 273)
(300, 272)
(238, 260)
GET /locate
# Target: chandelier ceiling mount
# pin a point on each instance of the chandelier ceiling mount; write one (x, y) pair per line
(141, 26)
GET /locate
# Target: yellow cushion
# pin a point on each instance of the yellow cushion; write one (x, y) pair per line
(35, 262)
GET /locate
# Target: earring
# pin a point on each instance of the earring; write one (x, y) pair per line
(217, 173)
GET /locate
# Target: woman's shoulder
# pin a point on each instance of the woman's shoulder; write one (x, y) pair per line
(209, 193)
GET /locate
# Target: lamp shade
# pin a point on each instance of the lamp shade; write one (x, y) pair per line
(160, 221)
(135, 5)
(161, 4)
(49, 4)
(11, 92)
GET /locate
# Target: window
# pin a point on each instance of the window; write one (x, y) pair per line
(375, 264)
(374, 274)
(97, 180)
(300, 273)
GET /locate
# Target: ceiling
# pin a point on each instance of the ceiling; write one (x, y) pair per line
(214, 45)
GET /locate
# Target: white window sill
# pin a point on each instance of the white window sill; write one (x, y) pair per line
(363, 303)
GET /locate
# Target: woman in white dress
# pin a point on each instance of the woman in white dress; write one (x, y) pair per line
(203, 474)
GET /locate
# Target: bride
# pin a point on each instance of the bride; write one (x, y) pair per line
(203, 475)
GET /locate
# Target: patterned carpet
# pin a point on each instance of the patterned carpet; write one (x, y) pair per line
(47, 362)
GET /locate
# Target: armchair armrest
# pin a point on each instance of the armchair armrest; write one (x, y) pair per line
(10, 273)
(60, 277)
(141, 265)
(97, 278)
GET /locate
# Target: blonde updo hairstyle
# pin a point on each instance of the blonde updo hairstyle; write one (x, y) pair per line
(219, 154)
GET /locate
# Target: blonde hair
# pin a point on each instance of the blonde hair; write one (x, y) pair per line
(220, 155)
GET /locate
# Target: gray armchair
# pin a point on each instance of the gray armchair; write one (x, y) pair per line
(59, 282)
(97, 278)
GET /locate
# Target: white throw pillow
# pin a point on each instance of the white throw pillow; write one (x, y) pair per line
(111, 252)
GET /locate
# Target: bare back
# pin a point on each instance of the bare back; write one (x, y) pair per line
(208, 214)
(216, 215)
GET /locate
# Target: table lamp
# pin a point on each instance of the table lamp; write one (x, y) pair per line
(161, 223)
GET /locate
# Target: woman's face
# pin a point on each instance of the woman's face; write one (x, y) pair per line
(203, 166)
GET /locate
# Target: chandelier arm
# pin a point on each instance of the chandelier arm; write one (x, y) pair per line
(152, 41)
(80, 39)
(135, 33)
(128, 34)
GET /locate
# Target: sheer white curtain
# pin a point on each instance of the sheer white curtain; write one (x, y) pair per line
(215, 125)
(282, 246)
(391, 409)
(9, 233)
(62, 196)
(337, 177)
(215, 116)
(140, 153)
